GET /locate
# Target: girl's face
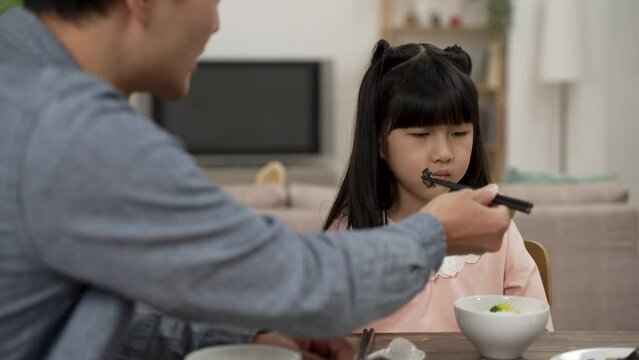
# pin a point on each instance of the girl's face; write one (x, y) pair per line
(445, 149)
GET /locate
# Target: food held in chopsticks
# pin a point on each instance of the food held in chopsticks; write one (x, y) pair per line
(516, 204)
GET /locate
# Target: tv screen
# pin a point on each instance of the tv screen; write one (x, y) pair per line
(247, 107)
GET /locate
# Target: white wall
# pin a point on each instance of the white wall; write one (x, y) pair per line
(532, 107)
(343, 31)
(622, 112)
(534, 114)
(603, 112)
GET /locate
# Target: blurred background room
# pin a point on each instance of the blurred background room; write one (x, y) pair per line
(559, 101)
(558, 97)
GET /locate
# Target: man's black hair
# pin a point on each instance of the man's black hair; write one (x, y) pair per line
(71, 9)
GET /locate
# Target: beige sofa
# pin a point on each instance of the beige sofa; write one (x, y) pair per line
(589, 230)
(591, 233)
(302, 206)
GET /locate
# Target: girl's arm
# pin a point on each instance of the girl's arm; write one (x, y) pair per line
(521, 275)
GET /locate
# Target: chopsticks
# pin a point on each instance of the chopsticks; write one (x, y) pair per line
(516, 204)
(365, 344)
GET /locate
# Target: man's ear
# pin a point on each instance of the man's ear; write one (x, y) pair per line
(140, 9)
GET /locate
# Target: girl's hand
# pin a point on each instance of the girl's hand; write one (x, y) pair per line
(310, 349)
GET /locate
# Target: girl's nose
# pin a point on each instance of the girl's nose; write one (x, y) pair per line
(441, 151)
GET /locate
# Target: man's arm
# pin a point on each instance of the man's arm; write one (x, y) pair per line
(152, 335)
(110, 200)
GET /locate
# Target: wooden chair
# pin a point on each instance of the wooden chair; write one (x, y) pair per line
(539, 253)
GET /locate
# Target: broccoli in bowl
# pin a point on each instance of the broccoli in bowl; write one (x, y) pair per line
(503, 307)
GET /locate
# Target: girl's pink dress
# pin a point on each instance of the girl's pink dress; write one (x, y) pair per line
(509, 271)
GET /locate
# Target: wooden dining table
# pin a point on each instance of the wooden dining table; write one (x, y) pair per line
(454, 346)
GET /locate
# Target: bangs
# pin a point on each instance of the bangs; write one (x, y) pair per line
(435, 94)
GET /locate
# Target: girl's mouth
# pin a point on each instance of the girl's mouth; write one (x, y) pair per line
(429, 177)
(443, 175)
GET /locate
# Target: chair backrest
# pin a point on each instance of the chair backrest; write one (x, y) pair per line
(539, 253)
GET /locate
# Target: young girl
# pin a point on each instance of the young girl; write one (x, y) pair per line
(418, 108)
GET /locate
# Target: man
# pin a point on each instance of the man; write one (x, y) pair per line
(99, 208)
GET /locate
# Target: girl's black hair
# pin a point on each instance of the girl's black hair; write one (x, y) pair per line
(69, 9)
(412, 85)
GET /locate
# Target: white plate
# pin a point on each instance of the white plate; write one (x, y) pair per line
(243, 352)
(595, 354)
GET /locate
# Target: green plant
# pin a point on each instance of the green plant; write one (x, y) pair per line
(499, 17)
(6, 4)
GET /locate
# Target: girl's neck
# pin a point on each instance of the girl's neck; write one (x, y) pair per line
(404, 207)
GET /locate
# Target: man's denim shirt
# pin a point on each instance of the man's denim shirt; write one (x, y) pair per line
(99, 208)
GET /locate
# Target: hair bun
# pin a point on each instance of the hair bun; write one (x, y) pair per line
(460, 58)
(380, 48)
(455, 49)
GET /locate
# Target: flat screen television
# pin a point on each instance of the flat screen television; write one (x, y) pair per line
(246, 112)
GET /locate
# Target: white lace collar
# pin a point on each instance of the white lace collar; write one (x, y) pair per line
(452, 265)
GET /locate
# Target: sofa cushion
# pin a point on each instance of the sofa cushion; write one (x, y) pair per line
(594, 261)
(312, 196)
(597, 192)
(259, 196)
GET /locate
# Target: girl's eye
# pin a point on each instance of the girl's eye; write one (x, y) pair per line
(460, 133)
(419, 134)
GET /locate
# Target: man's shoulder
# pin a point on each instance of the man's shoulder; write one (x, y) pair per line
(63, 104)
(57, 112)
(36, 87)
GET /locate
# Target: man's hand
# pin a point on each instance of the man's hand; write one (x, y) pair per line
(310, 349)
(471, 225)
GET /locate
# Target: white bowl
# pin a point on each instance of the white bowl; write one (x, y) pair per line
(243, 352)
(501, 335)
